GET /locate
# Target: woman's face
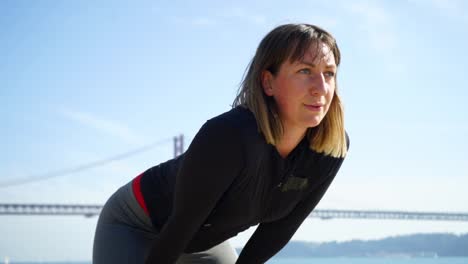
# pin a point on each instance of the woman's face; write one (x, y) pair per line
(303, 90)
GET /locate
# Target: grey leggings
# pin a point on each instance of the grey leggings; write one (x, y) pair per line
(124, 235)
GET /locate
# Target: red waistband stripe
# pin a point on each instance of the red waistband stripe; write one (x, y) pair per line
(138, 195)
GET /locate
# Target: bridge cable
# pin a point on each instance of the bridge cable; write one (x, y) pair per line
(87, 166)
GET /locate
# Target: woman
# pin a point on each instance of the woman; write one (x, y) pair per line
(267, 161)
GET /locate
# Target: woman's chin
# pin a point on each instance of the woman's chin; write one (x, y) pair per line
(314, 122)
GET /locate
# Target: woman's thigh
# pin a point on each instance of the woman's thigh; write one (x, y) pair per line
(124, 236)
(223, 253)
(120, 244)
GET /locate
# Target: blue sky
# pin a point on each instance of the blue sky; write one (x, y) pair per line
(81, 81)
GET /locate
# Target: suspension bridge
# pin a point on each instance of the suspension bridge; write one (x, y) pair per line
(324, 214)
(91, 210)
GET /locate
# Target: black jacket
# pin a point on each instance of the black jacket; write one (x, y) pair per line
(228, 180)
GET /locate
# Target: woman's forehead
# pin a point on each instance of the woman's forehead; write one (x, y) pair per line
(317, 53)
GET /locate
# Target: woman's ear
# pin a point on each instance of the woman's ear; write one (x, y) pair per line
(267, 77)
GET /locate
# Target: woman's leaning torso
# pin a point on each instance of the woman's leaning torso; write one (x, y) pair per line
(267, 187)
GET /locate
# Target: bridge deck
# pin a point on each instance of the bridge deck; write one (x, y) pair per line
(94, 210)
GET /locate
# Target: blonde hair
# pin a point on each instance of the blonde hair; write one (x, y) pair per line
(291, 41)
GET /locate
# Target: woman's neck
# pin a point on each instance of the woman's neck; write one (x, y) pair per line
(289, 140)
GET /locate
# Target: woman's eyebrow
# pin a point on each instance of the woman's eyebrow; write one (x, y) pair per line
(331, 66)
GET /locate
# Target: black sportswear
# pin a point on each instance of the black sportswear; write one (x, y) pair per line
(228, 180)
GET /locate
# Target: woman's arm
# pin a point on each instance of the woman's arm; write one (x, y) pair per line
(269, 238)
(211, 163)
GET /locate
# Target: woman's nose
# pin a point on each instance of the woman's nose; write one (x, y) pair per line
(318, 85)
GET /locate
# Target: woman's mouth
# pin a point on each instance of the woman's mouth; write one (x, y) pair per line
(314, 107)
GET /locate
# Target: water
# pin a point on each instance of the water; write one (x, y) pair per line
(331, 261)
(370, 261)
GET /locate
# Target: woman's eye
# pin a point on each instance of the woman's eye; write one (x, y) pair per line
(306, 71)
(329, 74)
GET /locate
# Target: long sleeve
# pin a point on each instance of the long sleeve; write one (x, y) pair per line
(213, 160)
(269, 238)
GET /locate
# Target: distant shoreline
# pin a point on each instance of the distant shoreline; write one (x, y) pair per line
(434, 245)
(415, 246)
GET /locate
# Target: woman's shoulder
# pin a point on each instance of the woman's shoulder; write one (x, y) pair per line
(238, 123)
(238, 118)
(236, 115)
(229, 134)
